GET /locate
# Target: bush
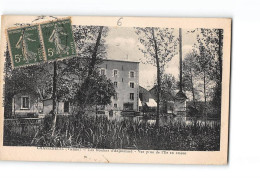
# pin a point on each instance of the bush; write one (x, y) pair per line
(89, 132)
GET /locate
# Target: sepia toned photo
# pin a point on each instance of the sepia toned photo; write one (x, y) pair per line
(114, 90)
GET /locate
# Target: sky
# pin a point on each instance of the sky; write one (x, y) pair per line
(122, 44)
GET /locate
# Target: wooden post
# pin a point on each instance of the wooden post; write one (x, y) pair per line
(180, 55)
(54, 97)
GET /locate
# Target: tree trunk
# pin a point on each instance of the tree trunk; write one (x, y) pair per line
(219, 87)
(54, 98)
(192, 88)
(205, 95)
(14, 106)
(92, 65)
(94, 54)
(220, 54)
(96, 111)
(158, 79)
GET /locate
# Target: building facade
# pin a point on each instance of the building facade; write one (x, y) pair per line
(123, 74)
(24, 105)
(125, 77)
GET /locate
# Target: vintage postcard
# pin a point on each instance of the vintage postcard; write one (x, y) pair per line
(115, 89)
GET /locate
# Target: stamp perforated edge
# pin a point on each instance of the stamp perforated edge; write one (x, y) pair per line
(41, 42)
(9, 45)
(61, 58)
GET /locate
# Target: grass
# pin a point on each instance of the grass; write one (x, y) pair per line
(111, 134)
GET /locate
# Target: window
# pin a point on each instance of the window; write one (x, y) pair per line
(132, 74)
(115, 105)
(115, 84)
(128, 106)
(102, 71)
(115, 73)
(132, 85)
(115, 96)
(66, 106)
(25, 102)
(132, 96)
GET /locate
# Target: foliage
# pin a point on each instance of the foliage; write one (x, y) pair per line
(89, 34)
(190, 76)
(126, 134)
(166, 44)
(168, 87)
(202, 68)
(188, 71)
(31, 79)
(208, 55)
(96, 90)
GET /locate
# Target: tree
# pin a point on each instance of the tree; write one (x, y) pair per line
(95, 54)
(189, 66)
(31, 79)
(89, 54)
(158, 46)
(217, 92)
(203, 67)
(168, 87)
(96, 90)
(208, 52)
(91, 50)
(54, 97)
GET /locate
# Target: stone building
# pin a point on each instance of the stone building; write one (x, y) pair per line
(125, 77)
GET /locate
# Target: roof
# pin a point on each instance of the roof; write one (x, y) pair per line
(169, 95)
(180, 95)
(153, 88)
(142, 89)
(121, 61)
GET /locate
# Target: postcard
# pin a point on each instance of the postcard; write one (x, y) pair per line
(115, 89)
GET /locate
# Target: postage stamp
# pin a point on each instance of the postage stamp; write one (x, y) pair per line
(25, 46)
(58, 39)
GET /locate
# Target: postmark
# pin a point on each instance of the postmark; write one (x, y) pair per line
(58, 39)
(25, 46)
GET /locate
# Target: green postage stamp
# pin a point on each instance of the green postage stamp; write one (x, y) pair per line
(25, 46)
(58, 39)
(47, 41)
